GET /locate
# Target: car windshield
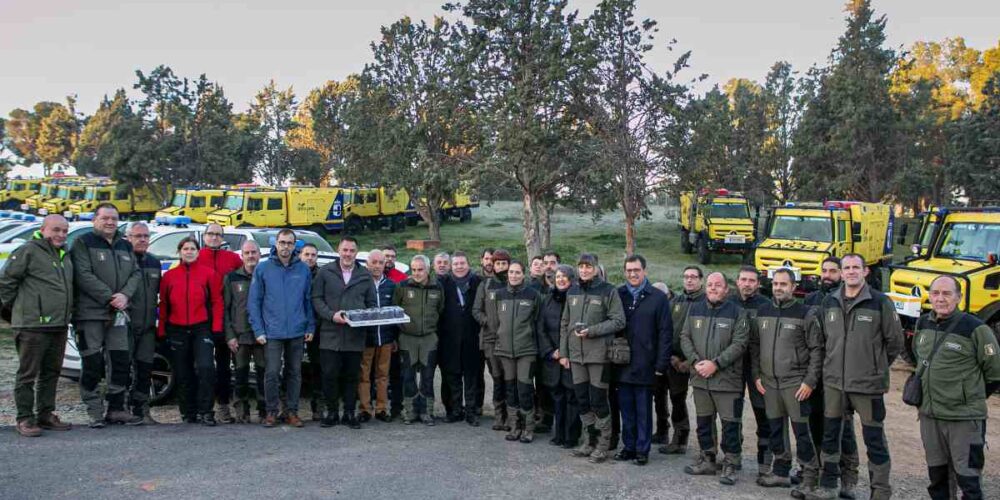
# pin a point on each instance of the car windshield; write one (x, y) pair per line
(15, 186)
(728, 211)
(970, 240)
(179, 200)
(791, 227)
(233, 203)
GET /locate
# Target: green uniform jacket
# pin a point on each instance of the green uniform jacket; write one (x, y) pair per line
(861, 341)
(678, 313)
(598, 306)
(485, 311)
(100, 270)
(37, 284)
(330, 294)
(235, 294)
(143, 310)
(719, 333)
(517, 311)
(786, 348)
(965, 370)
(422, 303)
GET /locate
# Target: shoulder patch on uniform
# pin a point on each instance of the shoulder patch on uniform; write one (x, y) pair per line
(724, 324)
(989, 349)
(697, 323)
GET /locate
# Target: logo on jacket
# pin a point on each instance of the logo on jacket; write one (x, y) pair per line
(953, 346)
(697, 323)
(989, 349)
(410, 294)
(239, 288)
(865, 317)
(572, 302)
(101, 257)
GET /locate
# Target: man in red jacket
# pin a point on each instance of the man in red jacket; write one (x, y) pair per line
(223, 261)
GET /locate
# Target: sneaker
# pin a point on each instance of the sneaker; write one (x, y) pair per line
(598, 456)
(27, 428)
(729, 475)
(641, 459)
(270, 420)
(294, 420)
(624, 456)
(208, 420)
(770, 480)
(383, 417)
(52, 423)
(427, 419)
(365, 417)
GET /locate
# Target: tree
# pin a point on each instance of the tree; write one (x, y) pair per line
(975, 146)
(531, 70)
(848, 143)
(271, 112)
(783, 113)
(321, 125)
(97, 132)
(212, 139)
(632, 109)
(24, 129)
(412, 122)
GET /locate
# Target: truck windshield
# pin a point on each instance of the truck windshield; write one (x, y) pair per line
(45, 190)
(179, 200)
(91, 194)
(728, 211)
(970, 240)
(791, 227)
(76, 194)
(234, 203)
(62, 193)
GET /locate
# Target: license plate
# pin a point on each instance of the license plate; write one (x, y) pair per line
(736, 238)
(906, 305)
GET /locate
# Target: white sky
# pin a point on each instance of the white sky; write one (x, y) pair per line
(51, 48)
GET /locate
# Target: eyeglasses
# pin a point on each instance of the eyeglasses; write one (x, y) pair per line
(213, 233)
(633, 271)
(140, 236)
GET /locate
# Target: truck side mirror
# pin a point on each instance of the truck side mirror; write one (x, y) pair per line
(991, 258)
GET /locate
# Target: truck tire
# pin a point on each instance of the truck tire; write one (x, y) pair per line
(685, 242)
(466, 215)
(397, 223)
(704, 256)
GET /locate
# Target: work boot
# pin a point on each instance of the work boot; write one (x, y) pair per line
(512, 423)
(242, 408)
(599, 456)
(603, 426)
(764, 460)
(770, 480)
(27, 428)
(294, 420)
(500, 417)
(223, 415)
(588, 435)
(147, 416)
(703, 465)
(122, 417)
(729, 474)
(52, 423)
(805, 487)
(208, 419)
(529, 427)
(847, 486)
(881, 495)
(823, 493)
(678, 445)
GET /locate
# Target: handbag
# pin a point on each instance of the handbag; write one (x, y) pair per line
(913, 388)
(620, 352)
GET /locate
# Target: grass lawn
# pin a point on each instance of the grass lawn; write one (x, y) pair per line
(499, 226)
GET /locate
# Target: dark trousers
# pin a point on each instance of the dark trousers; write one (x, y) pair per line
(395, 384)
(670, 404)
(193, 352)
(104, 352)
(616, 414)
(757, 405)
(460, 390)
(40, 356)
(143, 349)
(244, 355)
(313, 378)
(418, 395)
(636, 403)
(223, 370)
(566, 420)
(341, 372)
(289, 352)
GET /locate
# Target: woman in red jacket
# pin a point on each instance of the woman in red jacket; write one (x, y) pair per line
(190, 312)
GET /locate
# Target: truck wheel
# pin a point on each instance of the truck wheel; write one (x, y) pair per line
(704, 256)
(397, 223)
(466, 215)
(685, 242)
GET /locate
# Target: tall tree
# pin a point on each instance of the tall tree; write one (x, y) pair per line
(531, 74)
(24, 128)
(412, 123)
(783, 113)
(975, 147)
(272, 113)
(97, 132)
(321, 125)
(848, 139)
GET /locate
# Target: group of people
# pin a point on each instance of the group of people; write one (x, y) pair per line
(568, 353)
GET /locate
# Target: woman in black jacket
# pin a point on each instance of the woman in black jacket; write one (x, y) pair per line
(559, 380)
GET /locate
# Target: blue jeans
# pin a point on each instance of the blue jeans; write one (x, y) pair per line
(636, 403)
(291, 351)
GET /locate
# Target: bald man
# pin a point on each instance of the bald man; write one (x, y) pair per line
(36, 290)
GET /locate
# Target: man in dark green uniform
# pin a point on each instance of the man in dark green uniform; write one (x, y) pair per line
(422, 298)
(673, 386)
(957, 351)
(240, 336)
(749, 298)
(143, 321)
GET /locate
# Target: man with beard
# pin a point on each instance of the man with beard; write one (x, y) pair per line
(394, 275)
(458, 343)
(747, 296)
(486, 263)
(484, 310)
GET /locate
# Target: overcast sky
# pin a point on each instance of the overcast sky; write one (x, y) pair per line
(51, 48)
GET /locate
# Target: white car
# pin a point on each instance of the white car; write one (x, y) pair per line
(164, 246)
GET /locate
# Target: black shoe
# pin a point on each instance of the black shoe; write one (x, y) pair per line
(190, 419)
(556, 441)
(659, 439)
(624, 455)
(346, 418)
(365, 417)
(328, 421)
(641, 459)
(472, 420)
(383, 417)
(352, 422)
(208, 419)
(568, 445)
(454, 417)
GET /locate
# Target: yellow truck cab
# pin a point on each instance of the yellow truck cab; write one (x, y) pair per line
(375, 208)
(460, 207)
(194, 203)
(801, 235)
(65, 195)
(964, 244)
(288, 207)
(715, 222)
(928, 223)
(17, 191)
(130, 203)
(46, 190)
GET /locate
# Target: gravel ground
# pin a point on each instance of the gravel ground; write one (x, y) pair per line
(442, 462)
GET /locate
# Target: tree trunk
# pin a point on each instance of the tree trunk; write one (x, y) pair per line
(531, 244)
(629, 230)
(545, 225)
(432, 218)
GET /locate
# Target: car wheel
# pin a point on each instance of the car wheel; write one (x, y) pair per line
(162, 383)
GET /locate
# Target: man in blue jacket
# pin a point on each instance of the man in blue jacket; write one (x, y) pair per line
(281, 314)
(649, 330)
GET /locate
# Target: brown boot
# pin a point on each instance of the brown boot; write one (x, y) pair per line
(514, 433)
(529, 427)
(27, 428)
(52, 423)
(294, 420)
